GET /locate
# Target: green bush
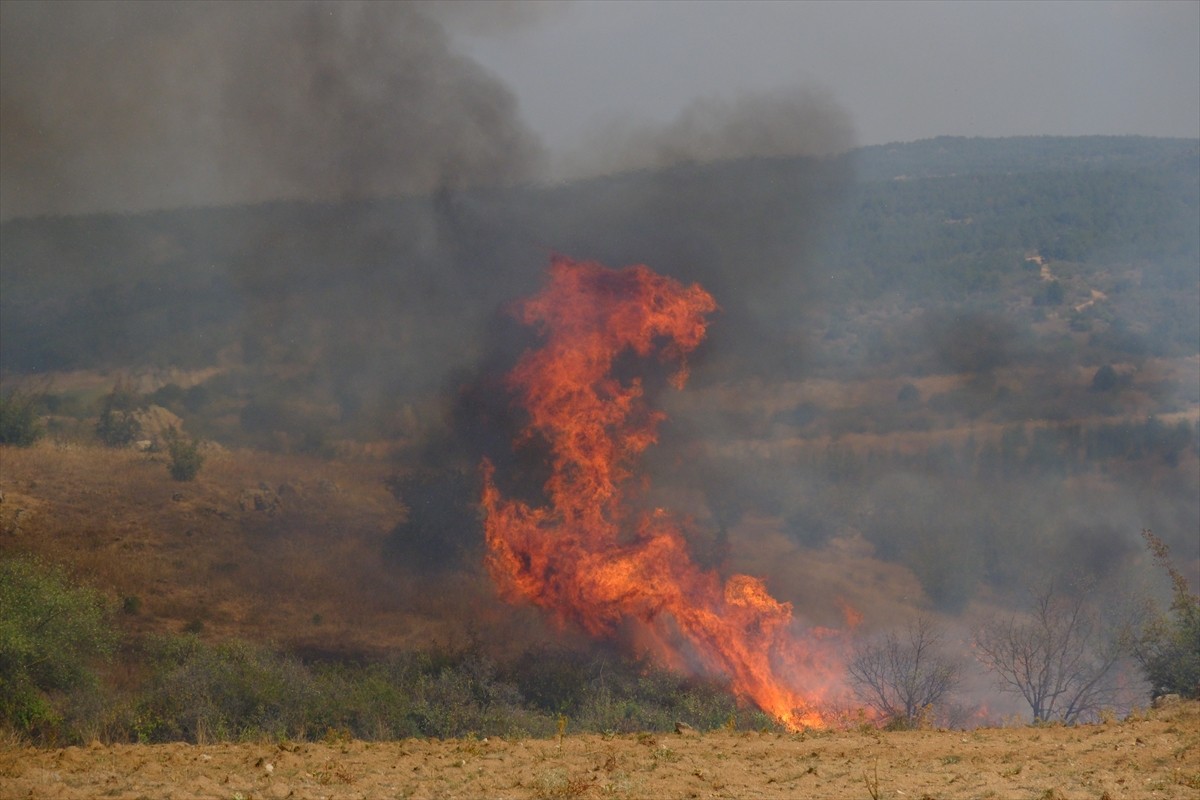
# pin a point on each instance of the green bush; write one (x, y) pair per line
(369, 702)
(19, 423)
(1168, 648)
(52, 636)
(117, 425)
(186, 458)
(600, 692)
(229, 691)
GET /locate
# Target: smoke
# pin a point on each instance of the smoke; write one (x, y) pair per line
(922, 467)
(796, 121)
(490, 17)
(136, 106)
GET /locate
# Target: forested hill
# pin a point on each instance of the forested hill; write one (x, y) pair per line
(943, 217)
(409, 285)
(948, 156)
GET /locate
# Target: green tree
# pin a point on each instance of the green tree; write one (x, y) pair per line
(52, 635)
(1168, 648)
(18, 418)
(201, 692)
(118, 426)
(186, 458)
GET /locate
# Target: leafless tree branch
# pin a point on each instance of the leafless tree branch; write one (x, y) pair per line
(1059, 655)
(902, 675)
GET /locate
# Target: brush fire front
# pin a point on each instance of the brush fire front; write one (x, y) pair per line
(588, 556)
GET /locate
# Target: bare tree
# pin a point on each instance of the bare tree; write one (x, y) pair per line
(902, 675)
(1059, 655)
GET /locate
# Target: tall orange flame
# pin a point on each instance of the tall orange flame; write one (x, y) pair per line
(586, 557)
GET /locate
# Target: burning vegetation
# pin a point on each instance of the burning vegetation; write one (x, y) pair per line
(590, 555)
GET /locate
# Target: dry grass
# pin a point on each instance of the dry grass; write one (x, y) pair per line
(282, 548)
(1154, 756)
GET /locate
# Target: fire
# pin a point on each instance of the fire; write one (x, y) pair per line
(589, 559)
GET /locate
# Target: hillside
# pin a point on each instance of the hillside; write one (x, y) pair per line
(941, 374)
(948, 222)
(283, 549)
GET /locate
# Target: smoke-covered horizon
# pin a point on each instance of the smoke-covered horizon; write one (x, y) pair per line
(136, 107)
(109, 106)
(367, 210)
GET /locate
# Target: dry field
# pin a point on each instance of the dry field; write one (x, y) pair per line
(284, 549)
(1152, 755)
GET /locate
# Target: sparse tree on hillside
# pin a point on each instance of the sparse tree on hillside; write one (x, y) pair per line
(903, 675)
(1059, 655)
(117, 425)
(1168, 646)
(18, 418)
(186, 458)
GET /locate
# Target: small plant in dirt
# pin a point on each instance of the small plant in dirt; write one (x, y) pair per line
(186, 458)
(19, 423)
(1168, 646)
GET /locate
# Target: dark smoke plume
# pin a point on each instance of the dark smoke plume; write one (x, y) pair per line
(136, 106)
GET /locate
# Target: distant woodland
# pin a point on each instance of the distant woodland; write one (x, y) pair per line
(1023, 310)
(941, 225)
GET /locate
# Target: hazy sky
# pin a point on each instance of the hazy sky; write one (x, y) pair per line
(131, 106)
(903, 71)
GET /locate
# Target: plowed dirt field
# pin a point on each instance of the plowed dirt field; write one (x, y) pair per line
(1156, 755)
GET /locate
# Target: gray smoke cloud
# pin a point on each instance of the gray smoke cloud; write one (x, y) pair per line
(796, 121)
(138, 106)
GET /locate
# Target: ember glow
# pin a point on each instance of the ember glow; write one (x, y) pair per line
(590, 558)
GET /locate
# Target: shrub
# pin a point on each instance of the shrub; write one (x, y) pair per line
(117, 426)
(233, 690)
(600, 692)
(1168, 648)
(370, 702)
(186, 458)
(19, 423)
(52, 634)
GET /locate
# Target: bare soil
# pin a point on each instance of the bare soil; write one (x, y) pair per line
(1151, 755)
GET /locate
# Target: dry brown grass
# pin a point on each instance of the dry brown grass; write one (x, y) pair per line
(281, 548)
(1153, 756)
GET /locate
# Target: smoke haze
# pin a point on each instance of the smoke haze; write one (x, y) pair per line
(367, 202)
(118, 106)
(786, 122)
